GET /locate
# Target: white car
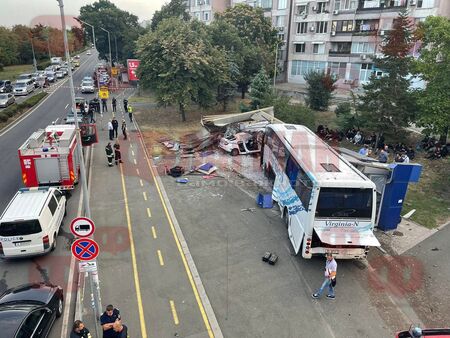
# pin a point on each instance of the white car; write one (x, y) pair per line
(87, 87)
(240, 144)
(6, 99)
(59, 74)
(23, 87)
(88, 53)
(30, 224)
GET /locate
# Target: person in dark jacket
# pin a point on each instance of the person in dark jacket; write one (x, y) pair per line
(124, 129)
(117, 154)
(109, 154)
(107, 320)
(125, 105)
(114, 102)
(79, 330)
(115, 125)
(120, 330)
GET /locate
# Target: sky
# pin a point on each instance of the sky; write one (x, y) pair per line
(27, 12)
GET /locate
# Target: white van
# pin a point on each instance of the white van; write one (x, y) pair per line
(30, 223)
(23, 87)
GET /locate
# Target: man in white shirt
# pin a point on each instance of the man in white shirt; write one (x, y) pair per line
(330, 276)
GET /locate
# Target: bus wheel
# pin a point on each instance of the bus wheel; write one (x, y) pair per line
(234, 152)
(286, 217)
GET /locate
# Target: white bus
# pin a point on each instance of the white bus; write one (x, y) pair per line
(326, 203)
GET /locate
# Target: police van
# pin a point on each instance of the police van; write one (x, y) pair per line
(30, 223)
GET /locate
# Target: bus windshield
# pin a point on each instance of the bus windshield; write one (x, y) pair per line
(344, 203)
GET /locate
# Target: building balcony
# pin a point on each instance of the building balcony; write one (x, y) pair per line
(382, 6)
(365, 32)
(339, 53)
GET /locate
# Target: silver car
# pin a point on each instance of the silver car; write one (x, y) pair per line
(59, 74)
(87, 87)
(6, 99)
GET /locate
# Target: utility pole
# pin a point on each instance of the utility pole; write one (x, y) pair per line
(275, 67)
(117, 57)
(96, 304)
(109, 42)
(34, 56)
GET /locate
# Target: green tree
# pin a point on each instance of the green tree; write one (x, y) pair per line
(174, 9)
(123, 26)
(261, 90)
(260, 40)
(388, 104)
(180, 64)
(433, 66)
(320, 87)
(9, 47)
(293, 113)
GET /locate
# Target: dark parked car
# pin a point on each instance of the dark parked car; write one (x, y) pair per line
(6, 86)
(29, 310)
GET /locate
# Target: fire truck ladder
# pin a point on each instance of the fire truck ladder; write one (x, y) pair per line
(64, 167)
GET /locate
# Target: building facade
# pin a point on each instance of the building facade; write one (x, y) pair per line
(342, 36)
(336, 36)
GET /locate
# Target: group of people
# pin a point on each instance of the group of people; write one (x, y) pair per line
(329, 134)
(434, 148)
(110, 321)
(115, 154)
(113, 127)
(126, 107)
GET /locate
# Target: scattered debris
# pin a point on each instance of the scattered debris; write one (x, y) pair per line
(435, 249)
(264, 201)
(397, 233)
(207, 168)
(249, 209)
(270, 258)
(409, 214)
(183, 180)
(176, 171)
(266, 256)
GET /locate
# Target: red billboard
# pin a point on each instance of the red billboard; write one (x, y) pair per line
(133, 65)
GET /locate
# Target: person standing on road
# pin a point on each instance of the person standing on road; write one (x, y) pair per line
(124, 129)
(115, 125)
(79, 330)
(104, 105)
(120, 330)
(330, 278)
(114, 102)
(125, 105)
(117, 153)
(107, 320)
(109, 154)
(110, 130)
(130, 113)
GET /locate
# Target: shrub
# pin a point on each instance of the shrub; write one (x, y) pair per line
(343, 108)
(21, 107)
(320, 89)
(3, 117)
(42, 65)
(294, 113)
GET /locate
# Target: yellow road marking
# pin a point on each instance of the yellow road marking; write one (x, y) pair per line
(134, 160)
(154, 233)
(180, 250)
(174, 312)
(133, 259)
(137, 171)
(132, 152)
(149, 214)
(161, 260)
(141, 183)
(145, 195)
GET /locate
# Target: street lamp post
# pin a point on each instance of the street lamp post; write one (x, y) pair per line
(93, 31)
(34, 56)
(109, 42)
(95, 295)
(115, 42)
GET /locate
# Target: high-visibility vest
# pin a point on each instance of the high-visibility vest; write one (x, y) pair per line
(130, 109)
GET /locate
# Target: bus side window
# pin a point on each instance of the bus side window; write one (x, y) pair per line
(303, 188)
(292, 171)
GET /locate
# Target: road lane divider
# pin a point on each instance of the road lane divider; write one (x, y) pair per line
(204, 305)
(133, 258)
(137, 171)
(154, 232)
(160, 257)
(145, 195)
(134, 160)
(141, 182)
(174, 312)
(149, 213)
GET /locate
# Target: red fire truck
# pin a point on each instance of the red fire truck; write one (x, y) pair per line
(49, 158)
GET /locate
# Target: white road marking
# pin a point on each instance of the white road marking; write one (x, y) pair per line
(66, 106)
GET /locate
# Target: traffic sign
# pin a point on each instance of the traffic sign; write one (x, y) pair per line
(114, 71)
(103, 92)
(85, 249)
(82, 227)
(87, 266)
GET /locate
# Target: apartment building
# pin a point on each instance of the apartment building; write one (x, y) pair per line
(204, 10)
(342, 36)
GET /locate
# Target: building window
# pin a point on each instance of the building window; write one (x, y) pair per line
(338, 69)
(365, 72)
(279, 21)
(206, 2)
(302, 27)
(281, 36)
(318, 48)
(304, 67)
(345, 4)
(425, 3)
(340, 48)
(302, 9)
(363, 47)
(206, 16)
(342, 26)
(366, 25)
(198, 15)
(321, 7)
(265, 4)
(321, 26)
(282, 4)
(300, 47)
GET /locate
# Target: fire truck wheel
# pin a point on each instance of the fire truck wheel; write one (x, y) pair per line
(54, 242)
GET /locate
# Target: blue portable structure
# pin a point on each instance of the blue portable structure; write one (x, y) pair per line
(391, 180)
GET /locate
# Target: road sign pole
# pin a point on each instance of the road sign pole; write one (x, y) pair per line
(94, 304)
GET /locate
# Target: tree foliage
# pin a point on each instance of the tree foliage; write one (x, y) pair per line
(261, 90)
(174, 9)
(388, 104)
(123, 27)
(320, 87)
(433, 66)
(293, 113)
(259, 39)
(180, 64)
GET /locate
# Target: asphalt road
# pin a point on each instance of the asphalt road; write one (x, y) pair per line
(54, 266)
